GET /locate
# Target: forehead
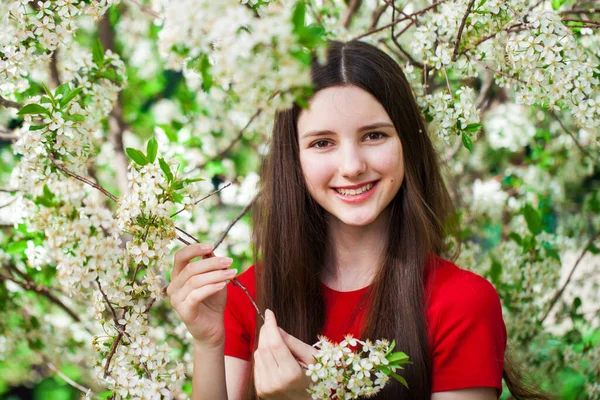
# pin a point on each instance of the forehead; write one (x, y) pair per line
(341, 109)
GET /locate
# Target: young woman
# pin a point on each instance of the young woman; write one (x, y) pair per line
(349, 233)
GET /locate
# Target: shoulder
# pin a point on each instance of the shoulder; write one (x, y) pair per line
(451, 288)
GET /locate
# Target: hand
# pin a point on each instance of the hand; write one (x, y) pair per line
(279, 362)
(197, 294)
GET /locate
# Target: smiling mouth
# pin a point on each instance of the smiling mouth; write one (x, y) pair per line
(357, 191)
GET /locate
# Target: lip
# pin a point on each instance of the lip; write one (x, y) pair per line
(358, 198)
(355, 186)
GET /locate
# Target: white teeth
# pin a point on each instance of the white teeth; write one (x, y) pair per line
(354, 192)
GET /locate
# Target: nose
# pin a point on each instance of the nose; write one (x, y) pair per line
(352, 162)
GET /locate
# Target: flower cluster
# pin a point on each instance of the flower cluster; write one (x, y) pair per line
(32, 30)
(341, 372)
(450, 116)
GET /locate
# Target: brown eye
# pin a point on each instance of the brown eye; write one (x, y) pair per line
(320, 144)
(375, 135)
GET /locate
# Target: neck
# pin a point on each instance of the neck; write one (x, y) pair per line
(355, 253)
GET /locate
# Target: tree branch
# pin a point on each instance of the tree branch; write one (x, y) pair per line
(233, 222)
(460, 30)
(226, 150)
(28, 284)
(146, 9)
(560, 291)
(84, 180)
(10, 104)
(117, 125)
(377, 13)
(351, 10)
(394, 22)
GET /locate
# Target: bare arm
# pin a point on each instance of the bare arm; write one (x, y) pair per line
(208, 381)
(480, 393)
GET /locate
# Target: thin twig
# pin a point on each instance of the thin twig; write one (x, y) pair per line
(15, 198)
(460, 30)
(203, 198)
(28, 284)
(66, 378)
(84, 180)
(233, 222)
(9, 137)
(351, 10)
(377, 13)
(410, 16)
(9, 190)
(146, 9)
(10, 104)
(568, 132)
(560, 291)
(226, 150)
(581, 11)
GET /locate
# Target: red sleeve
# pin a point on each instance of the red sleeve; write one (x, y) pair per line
(468, 335)
(239, 318)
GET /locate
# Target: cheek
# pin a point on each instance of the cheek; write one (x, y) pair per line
(314, 172)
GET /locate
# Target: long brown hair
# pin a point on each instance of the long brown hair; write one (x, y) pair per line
(290, 231)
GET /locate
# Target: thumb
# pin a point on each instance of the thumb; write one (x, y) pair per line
(304, 353)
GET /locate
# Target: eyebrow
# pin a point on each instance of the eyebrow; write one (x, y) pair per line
(362, 129)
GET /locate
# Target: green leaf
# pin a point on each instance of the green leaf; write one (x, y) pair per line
(516, 238)
(62, 90)
(137, 156)
(207, 79)
(191, 180)
(466, 140)
(398, 357)
(151, 150)
(593, 249)
(105, 395)
(49, 93)
(534, 222)
(397, 377)
(557, 3)
(551, 252)
(65, 100)
(74, 117)
(47, 193)
(33, 109)
(495, 271)
(37, 127)
(298, 16)
(472, 128)
(98, 53)
(166, 169)
(16, 247)
(392, 345)
(170, 132)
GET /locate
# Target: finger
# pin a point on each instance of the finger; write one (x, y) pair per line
(284, 358)
(197, 281)
(259, 373)
(268, 359)
(200, 267)
(184, 256)
(303, 352)
(187, 308)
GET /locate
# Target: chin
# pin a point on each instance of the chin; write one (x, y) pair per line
(357, 221)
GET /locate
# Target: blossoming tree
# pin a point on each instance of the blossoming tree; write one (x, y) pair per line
(128, 128)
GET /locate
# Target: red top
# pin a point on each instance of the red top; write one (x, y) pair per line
(467, 335)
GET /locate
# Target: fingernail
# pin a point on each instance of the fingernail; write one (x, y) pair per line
(268, 314)
(226, 261)
(231, 272)
(206, 247)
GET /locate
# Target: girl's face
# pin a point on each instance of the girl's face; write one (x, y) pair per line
(350, 153)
